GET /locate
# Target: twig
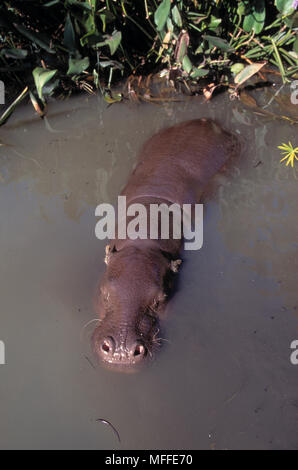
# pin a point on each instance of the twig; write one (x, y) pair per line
(105, 421)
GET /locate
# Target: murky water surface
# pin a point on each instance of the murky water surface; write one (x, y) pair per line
(224, 380)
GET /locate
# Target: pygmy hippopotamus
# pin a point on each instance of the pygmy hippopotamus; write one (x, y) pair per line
(173, 167)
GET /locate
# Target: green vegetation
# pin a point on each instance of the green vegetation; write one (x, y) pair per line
(60, 46)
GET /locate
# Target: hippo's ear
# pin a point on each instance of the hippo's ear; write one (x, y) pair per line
(109, 252)
(161, 297)
(174, 265)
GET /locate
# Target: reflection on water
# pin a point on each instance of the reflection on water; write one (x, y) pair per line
(224, 378)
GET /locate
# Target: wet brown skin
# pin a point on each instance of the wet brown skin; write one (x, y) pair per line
(174, 166)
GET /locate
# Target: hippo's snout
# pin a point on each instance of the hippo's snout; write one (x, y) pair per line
(110, 352)
(121, 352)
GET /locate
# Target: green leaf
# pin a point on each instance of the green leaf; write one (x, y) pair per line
(176, 16)
(256, 18)
(219, 43)
(110, 63)
(236, 68)
(161, 14)
(14, 53)
(186, 64)
(114, 41)
(69, 39)
(200, 50)
(199, 73)
(53, 2)
(81, 5)
(90, 39)
(295, 46)
(77, 66)
(92, 36)
(284, 6)
(111, 41)
(41, 77)
(106, 17)
(170, 26)
(182, 45)
(112, 98)
(214, 22)
(50, 87)
(87, 20)
(247, 72)
(41, 42)
(294, 55)
(241, 9)
(96, 79)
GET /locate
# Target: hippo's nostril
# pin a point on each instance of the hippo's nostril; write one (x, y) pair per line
(140, 350)
(105, 347)
(108, 345)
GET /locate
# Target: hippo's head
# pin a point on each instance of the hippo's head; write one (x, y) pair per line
(131, 294)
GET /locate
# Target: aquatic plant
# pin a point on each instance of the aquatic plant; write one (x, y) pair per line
(290, 153)
(61, 46)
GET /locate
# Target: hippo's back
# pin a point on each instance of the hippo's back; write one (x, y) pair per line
(177, 159)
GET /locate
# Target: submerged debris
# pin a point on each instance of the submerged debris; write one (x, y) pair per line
(105, 421)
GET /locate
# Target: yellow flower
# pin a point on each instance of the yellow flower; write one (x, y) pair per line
(290, 153)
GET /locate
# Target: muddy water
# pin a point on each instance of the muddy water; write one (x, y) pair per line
(224, 379)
